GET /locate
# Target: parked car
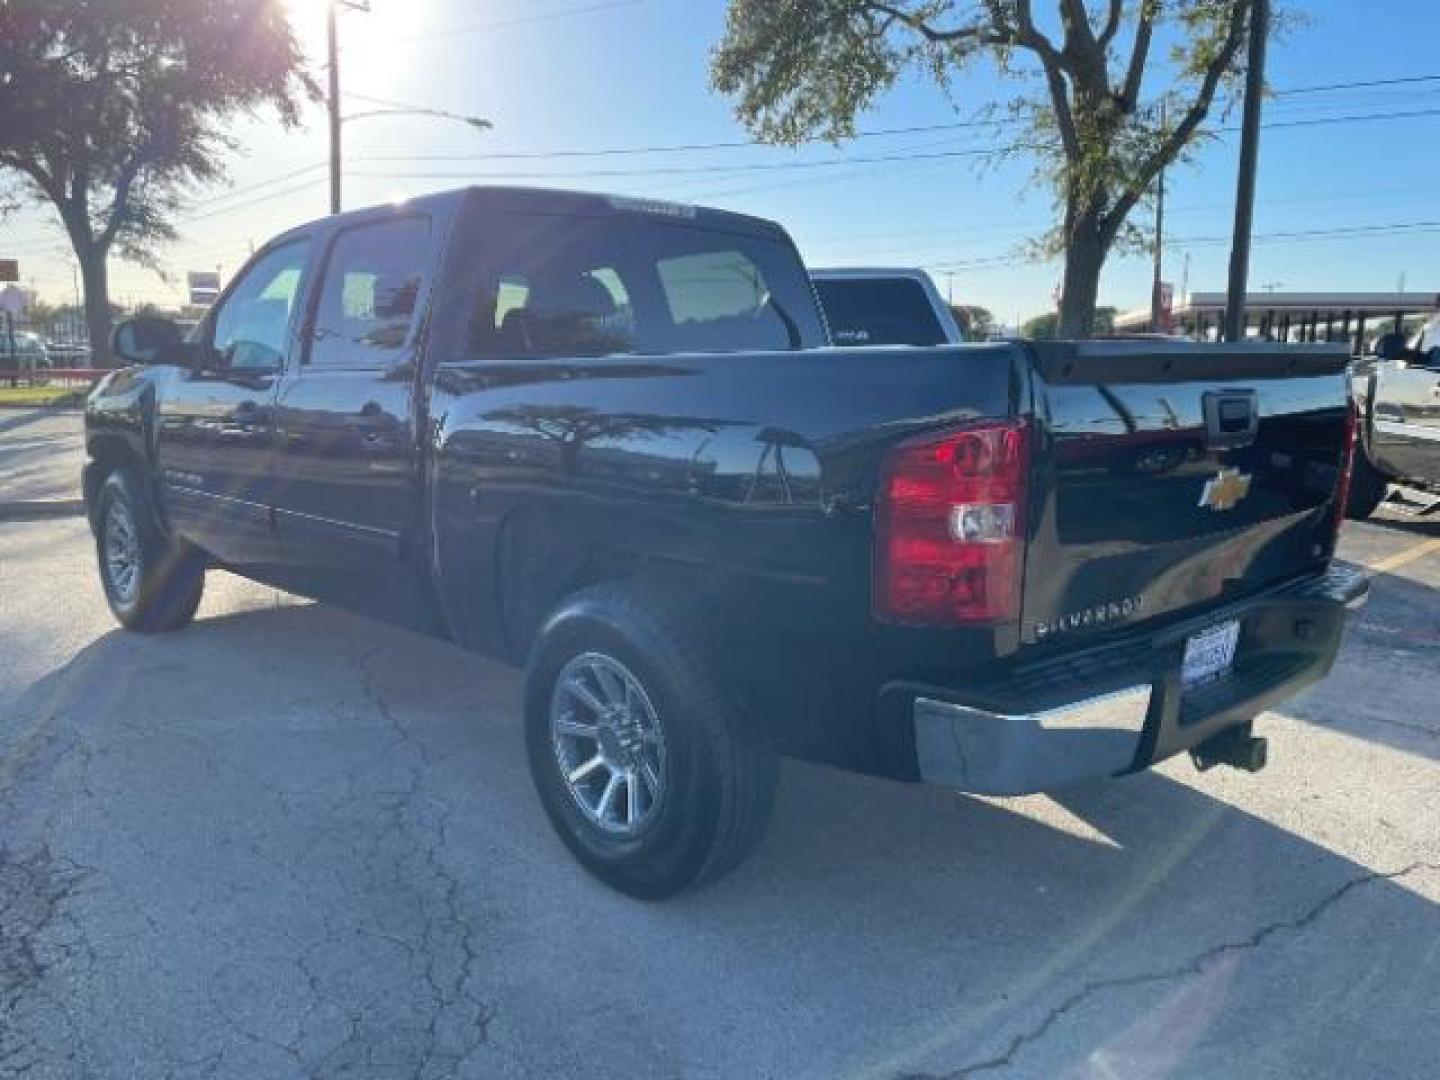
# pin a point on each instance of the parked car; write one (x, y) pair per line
(23, 351)
(884, 307)
(1398, 395)
(603, 438)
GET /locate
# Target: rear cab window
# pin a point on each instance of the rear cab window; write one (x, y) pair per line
(626, 283)
(879, 311)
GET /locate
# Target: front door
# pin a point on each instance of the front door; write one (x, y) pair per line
(347, 468)
(1406, 438)
(216, 426)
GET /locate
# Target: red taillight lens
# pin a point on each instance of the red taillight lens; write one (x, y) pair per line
(1347, 462)
(949, 526)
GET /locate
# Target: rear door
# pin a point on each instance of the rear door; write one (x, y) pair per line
(1177, 477)
(347, 474)
(216, 428)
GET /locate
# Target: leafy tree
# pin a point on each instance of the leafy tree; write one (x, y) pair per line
(1042, 328)
(115, 110)
(977, 322)
(1047, 327)
(807, 68)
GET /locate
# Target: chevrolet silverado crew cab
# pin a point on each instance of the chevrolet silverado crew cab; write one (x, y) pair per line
(1398, 451)
(606, 439)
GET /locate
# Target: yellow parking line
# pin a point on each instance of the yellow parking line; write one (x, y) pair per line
(1409, 555)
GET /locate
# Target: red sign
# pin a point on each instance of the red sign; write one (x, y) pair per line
(1164, 304)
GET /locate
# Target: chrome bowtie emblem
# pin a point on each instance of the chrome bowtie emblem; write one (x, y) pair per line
(1225, 489)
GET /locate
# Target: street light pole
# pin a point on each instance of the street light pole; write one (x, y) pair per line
(333, 54)
(1249, 163)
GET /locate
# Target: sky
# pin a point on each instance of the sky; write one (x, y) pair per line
(559, 76)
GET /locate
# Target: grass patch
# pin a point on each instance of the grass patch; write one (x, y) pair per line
(35, 396)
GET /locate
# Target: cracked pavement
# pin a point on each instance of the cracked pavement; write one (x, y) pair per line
(289, 842)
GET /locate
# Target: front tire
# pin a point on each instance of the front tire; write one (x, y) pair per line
(151, 583)
(643, 763)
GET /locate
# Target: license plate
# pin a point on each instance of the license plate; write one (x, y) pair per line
(1210, 654)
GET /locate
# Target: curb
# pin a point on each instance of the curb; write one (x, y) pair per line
(41, 509)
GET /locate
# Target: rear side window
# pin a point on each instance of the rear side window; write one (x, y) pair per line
(553, 285)
(371, 294)
(879, 311)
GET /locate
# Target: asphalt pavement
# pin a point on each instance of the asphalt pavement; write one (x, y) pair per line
(288, 842)
(41, 454)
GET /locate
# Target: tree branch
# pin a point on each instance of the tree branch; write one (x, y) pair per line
(1139, 57)
(1194, 116)
(979, 32)
(1112, 23)
(1079, 36)
(120, 204)
(1031, 38)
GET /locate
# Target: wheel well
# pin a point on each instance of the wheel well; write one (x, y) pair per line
(107, 453)
(527, 609)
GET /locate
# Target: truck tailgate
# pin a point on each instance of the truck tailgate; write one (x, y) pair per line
(1167, 478)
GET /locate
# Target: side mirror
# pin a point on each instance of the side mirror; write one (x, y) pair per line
(147, 339)
(1390, 346)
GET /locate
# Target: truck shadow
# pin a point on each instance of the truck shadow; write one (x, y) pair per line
(298, 779)
(1407, 523)
(1382, 688)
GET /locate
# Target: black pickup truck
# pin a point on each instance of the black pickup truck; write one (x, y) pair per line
(607, 439)
(1398, 448)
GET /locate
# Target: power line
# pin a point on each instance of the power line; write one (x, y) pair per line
(519, 20)
(1318, 234)
(1368, 84)
(785, 166)
(254, 202)
(1283, 236)
(677, 148)
(702, 170)
(743, 144)
(257, 185)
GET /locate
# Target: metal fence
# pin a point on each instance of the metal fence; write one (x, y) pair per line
(77, 377)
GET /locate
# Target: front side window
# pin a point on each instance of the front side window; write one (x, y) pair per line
(370, 297)
(559, 285)
(252, 325)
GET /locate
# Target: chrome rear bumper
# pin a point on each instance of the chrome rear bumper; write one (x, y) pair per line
(1006, 754)
(1061, 726)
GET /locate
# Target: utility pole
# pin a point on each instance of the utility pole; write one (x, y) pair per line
(332, 48)
(1249, 164)
(1158, 320)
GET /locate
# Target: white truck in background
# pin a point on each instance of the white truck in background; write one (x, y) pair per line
(884, 306)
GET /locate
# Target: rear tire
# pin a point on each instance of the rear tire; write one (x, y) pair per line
(151, 583)
(1368, 488)
(619, 685)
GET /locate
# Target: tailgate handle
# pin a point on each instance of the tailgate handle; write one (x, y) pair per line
(1232, 417)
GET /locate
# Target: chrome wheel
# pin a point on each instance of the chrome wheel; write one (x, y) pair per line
(121, 544)
(608, 743)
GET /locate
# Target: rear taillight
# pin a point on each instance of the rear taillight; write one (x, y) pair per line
(949, 526)
(1347, 463)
